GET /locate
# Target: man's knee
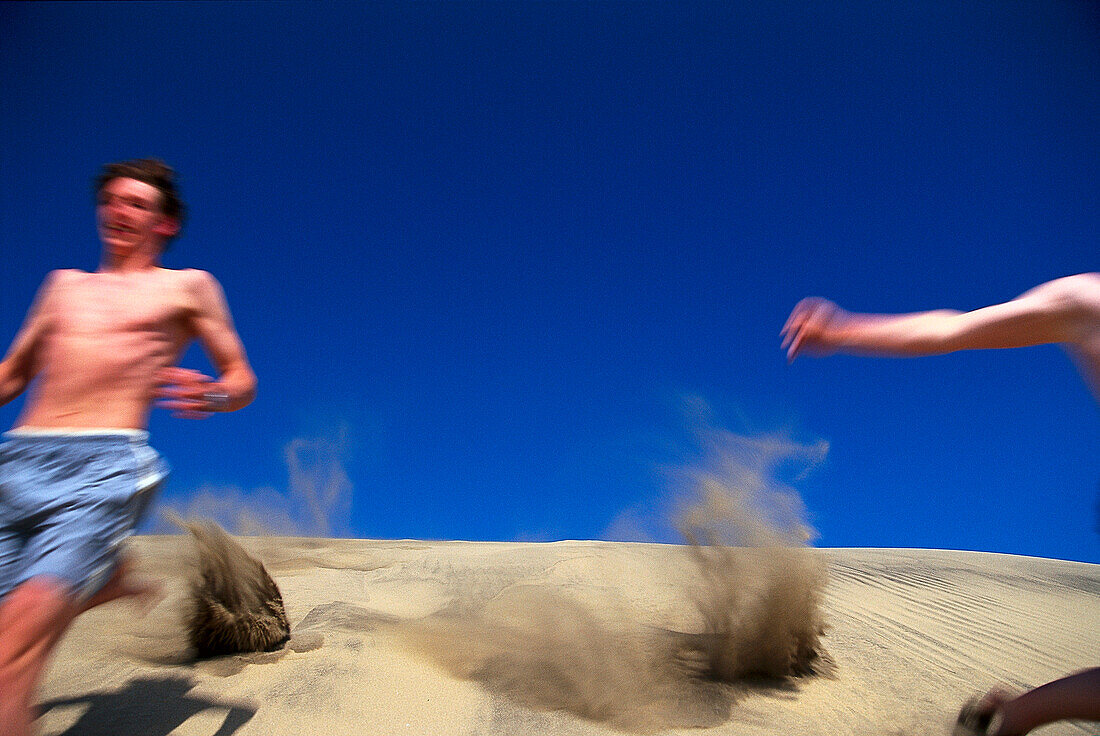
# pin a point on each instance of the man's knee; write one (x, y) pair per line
(43, 601)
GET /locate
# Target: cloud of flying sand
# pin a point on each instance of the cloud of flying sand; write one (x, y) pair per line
(746, 478)
(761, 583)
(752, 583)
(233, 604)
(316, 502)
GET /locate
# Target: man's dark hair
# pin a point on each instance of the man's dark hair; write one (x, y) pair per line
(151, 171)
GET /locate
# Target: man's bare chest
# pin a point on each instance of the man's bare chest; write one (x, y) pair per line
(105, 309)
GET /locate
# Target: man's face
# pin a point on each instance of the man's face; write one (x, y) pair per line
(128, 214)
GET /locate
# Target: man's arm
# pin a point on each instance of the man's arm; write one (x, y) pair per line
(190, 392)
(1065, 310)
(19, 366)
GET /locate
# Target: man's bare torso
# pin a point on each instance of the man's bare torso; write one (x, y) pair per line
(101, 339)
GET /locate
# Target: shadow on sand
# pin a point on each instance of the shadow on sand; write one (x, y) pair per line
(147, 707)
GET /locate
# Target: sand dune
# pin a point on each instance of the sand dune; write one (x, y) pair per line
(569, 638)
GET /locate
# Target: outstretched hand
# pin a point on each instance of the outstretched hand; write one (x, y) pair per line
(810, 327)
(186, 392)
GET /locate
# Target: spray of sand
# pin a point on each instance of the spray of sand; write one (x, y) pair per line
(230, 603)
(752, 585)
(545, 650)
(761, 585)
(233, 605)
(316, 502)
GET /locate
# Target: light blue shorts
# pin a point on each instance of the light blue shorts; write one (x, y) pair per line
(68, 500)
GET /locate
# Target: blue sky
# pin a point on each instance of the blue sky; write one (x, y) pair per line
(494, 249)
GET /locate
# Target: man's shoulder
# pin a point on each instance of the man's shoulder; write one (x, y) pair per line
(1086, 289)
(1081, 288)
(1091, 278)
(1073, 299)
(62, 278)
(184, 273)
(195, 286)
(64, 274)
(189, 278)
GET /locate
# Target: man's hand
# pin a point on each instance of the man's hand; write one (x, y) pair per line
(188, 393)
(812, 327)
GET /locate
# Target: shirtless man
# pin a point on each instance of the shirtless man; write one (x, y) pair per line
(76, 473)
(1064, 311)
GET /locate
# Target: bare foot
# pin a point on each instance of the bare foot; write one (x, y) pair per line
(982, 716)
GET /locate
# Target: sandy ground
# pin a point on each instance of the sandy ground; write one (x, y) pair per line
(568, 638)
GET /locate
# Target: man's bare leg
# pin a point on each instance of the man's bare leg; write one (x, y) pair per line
(124, 584)
(1000, 713)
(1074, 697)
(32, 619)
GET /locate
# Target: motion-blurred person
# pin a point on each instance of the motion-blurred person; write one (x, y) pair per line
(76, 472)
(1064, 311)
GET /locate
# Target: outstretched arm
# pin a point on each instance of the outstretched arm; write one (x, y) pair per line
(1066, 310)
(189, 392)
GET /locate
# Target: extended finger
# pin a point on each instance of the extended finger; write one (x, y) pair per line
(792, 326)
(809, 326)
(795, 314)
(189, 411)
(801, 310)
(183, 404)
(192, 414)
(178, 391)
(175, 371)
(794, 323)
(794, 348)
(181, 376)
(799, 325)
